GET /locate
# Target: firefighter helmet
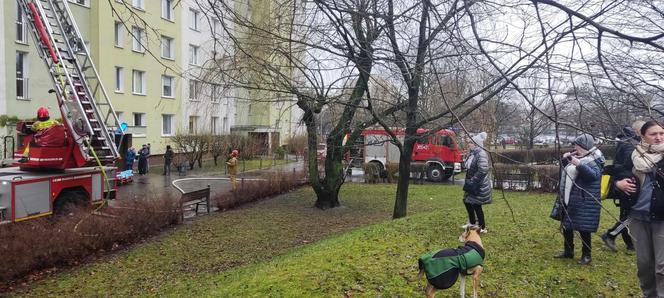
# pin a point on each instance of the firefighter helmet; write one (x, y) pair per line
(42, 114)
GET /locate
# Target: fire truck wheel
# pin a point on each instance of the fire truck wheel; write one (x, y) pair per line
(68, 200)
(435, 173)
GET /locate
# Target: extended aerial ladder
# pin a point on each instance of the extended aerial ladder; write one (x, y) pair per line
(90, 120)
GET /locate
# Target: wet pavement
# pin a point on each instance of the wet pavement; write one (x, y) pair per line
(154, 185)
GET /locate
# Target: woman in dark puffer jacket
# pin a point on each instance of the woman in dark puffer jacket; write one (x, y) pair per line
(580, 195)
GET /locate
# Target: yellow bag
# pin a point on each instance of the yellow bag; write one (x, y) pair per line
(605, 186)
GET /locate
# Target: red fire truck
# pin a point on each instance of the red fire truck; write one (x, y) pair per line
(438, 151)
(72, 162)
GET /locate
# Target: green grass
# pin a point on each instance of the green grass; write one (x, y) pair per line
(284, 248)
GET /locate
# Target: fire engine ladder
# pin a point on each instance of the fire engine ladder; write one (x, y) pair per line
(82, 99)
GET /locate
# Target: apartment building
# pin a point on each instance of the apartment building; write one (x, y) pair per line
(266, 115)
(156, 59)
(207, 105)
(134, 45)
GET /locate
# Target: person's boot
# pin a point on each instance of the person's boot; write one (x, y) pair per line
(564, 255)
(585, 260)
(609, 241)
(23, 160)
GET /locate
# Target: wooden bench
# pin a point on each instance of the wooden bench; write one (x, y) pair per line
(196, 199)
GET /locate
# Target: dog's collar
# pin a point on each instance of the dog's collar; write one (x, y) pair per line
(476, 246)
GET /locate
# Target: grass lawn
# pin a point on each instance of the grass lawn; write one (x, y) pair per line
(284, 248)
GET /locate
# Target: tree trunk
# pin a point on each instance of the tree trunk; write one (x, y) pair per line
(401, 201)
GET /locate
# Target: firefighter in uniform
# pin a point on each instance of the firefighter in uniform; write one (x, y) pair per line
(43, 123)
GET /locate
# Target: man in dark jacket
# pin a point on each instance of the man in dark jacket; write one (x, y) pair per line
(622, 168)
(168, 159)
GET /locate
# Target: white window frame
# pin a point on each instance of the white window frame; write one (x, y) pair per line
(22, 23)
(139, 4)
(138, 39)
(167, 11)
(171, 118)
(164, 78)
(118, 31)
(195, 90)
(194, 19)
(133, 82)
(193, 54)
(119, 79)
(86, 3)
(193, 124)
(166, 40)
(24, 77)
(141, 117)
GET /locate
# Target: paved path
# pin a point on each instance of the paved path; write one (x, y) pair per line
(152, 185)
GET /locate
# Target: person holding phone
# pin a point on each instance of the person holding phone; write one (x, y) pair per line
(580, 195)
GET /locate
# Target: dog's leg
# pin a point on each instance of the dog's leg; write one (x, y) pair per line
(462, 288)
(476, 279)
(430, 291)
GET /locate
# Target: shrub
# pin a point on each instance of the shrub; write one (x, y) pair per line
(253, 190)
(541, 156)
(535, 177)
(371, 172)
(67, 240)
(280, 152)
(392, 172)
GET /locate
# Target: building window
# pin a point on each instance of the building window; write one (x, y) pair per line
(119, 79)
(224, 124)
(213, 125)
(216, 27)
(140, 4)
(167, 9)
(139, 119)
(193, 123)
(193, 55)
(120, 116)
(167, 86)
(80, 2)
(21, 26)
(194, 89)
(167, 47)
(166, 125)
(139, 39)
(215, 93)
(119, 34)
(21, 75)
(194, 15)
(138, 82)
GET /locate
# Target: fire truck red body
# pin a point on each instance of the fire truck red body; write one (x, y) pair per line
(438, 151)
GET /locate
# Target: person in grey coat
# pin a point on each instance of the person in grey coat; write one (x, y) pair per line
(580, 194)
(477, 186)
